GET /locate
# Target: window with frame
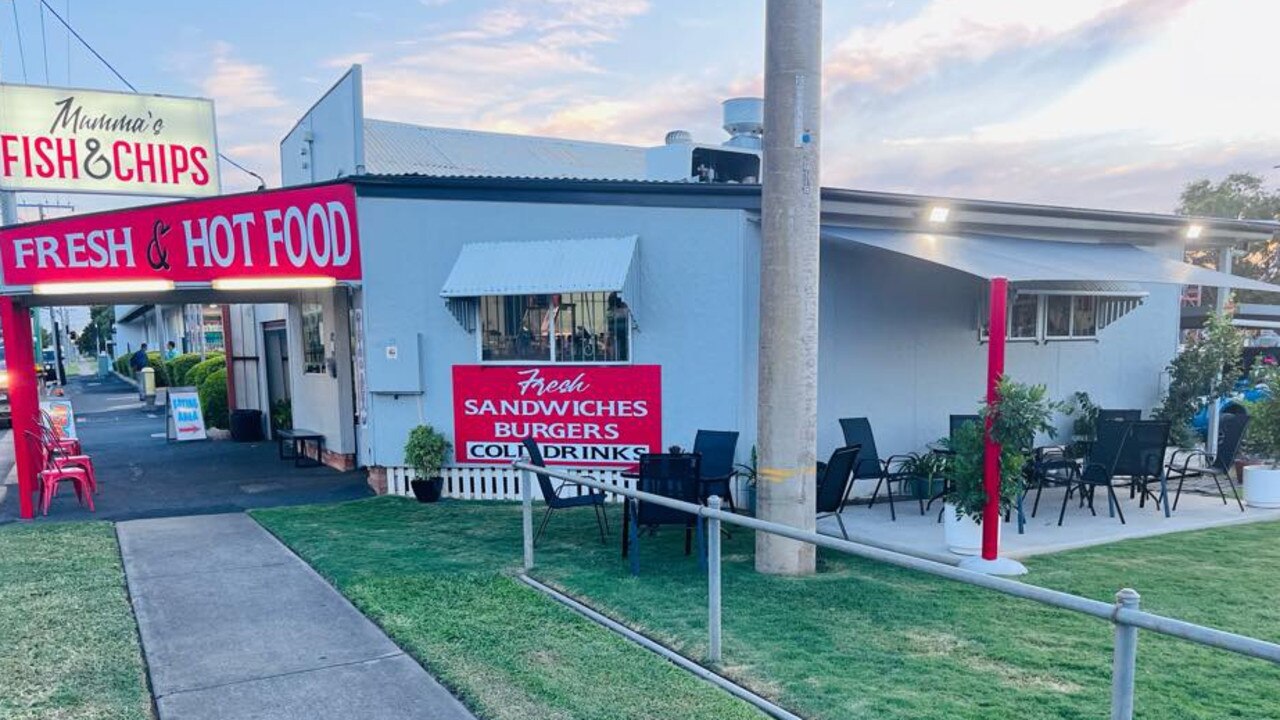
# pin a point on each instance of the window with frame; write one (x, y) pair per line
(313, 338)
(1037, 316)
(586, 327)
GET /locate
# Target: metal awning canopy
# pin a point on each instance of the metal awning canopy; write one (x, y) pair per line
(543, 267)
(1042, 261)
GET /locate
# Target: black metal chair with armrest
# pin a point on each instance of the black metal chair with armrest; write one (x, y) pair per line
(1231, 430)
(670, 475)
(857, 431)
(834, 480)
(717, 448)
(1142, 461)
(551, 495)
(1098, 468)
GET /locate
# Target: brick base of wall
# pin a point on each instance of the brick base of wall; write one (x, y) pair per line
(377, 480)
(342, 462)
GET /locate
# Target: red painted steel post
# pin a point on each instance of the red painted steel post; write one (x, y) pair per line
(24, 398)
(996, 327)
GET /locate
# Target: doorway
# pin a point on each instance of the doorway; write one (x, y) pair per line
(275, 342)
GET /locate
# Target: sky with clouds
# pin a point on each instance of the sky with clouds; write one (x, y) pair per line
(1102, 103)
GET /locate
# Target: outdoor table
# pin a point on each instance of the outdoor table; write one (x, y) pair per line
(296, 440)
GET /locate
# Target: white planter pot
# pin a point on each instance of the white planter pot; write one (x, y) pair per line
(1262, 486)
(964, 536)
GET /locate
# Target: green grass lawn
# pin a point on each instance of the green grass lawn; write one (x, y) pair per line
(68, 643)
(859, 640)
(438, 579)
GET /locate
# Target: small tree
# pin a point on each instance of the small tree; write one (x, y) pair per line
(426, 451)
(1021, 412)
(1205, 371)
(1263, 438)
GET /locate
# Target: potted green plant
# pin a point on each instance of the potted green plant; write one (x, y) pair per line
(927, 471)
(1021, 412)
(1262, 481)
(425, 452)
(748, 475)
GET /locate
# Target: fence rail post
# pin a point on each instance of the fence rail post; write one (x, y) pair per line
(1125, 661)
(713, 580)
(526, 511)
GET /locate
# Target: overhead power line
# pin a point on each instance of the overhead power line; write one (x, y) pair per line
(262, 184)
(17, 29)
(44, 47)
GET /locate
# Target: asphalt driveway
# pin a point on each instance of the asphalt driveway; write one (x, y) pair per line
(141, 475)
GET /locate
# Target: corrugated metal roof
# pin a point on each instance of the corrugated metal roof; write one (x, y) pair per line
(1022, 260)
(394, 148)
(544, 267)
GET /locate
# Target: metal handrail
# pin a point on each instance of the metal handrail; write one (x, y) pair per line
(1124, 613)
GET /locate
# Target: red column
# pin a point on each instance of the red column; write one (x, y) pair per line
(24, 398)
(996, 326)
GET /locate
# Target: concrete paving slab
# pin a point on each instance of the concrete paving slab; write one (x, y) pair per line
(181, 545)
(234, 625)
(211, 628)
(923, 536)
(394, 688)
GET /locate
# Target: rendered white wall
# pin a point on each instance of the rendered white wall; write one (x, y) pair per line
(691, 315)
(899, 345)
(320, 401)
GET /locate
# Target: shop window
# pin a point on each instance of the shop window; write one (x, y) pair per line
(313, 338)
(1034, 316)
(593, 327)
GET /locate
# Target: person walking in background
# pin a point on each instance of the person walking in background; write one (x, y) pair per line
(171, 351)
(136, 363)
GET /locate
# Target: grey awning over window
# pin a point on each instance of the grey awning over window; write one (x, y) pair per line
(546, 267)
(1043, 261)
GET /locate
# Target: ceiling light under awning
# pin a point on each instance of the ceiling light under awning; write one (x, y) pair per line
(103, 287)
(274, 283)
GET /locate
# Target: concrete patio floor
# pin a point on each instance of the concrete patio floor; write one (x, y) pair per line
(923, 535)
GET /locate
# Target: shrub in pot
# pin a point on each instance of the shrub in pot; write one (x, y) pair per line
(1021, 412)
(1262, 481)
(425, 452)
(927, 471)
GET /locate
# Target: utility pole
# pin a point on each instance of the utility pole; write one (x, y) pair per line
(788, 392)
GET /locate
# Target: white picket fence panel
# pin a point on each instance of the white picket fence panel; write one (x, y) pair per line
(478, 482)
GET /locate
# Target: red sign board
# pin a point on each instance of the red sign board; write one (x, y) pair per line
(583, 416)
(280, 233)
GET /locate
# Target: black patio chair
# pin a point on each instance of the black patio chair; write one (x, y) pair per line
(1142, 461)
(670, 475)
(834, 480)
(1099, 468)
(717, 449)
(551, 495)
(857, 431)
(1105, 415)
(1231, 429)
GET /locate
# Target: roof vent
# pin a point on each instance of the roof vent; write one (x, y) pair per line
(744, 121)
(679, 137)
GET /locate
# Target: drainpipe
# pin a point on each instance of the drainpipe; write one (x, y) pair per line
(229, 349)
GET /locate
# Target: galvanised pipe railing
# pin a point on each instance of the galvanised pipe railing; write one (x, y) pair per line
(1124, 613)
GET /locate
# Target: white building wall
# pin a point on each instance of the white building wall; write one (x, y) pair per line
(691, 312)
(899, 345)
(323, 401)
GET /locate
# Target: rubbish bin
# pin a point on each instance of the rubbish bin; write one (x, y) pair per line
(246, 425)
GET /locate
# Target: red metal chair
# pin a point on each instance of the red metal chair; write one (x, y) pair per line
(71, 445)
(60, 456)
(53, 473)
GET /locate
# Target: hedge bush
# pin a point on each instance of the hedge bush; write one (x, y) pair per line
(197, 374)
(122, 365)
(180, 366)
(155, 361)
(213, 399)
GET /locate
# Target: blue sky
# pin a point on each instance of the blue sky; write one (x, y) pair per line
(1106, 103)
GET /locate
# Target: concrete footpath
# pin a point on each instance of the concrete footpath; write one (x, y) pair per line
(234, 625)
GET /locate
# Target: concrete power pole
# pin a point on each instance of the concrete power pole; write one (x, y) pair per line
(788, 402)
